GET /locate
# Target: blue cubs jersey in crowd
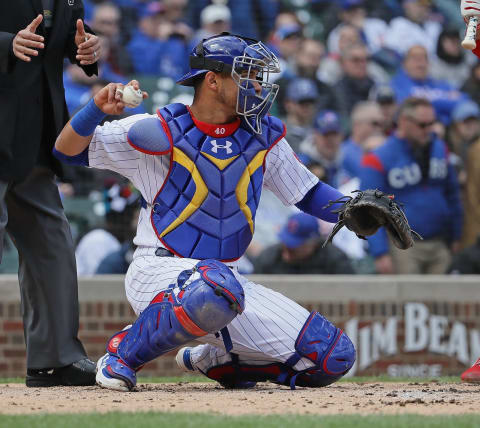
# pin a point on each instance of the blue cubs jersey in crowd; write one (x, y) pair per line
(443, 97)
(206, 207)
(432, 204)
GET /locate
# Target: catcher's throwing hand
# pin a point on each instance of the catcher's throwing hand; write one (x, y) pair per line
(109, 98)
(369, 210)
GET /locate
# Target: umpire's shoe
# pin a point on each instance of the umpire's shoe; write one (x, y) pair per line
(80, 373)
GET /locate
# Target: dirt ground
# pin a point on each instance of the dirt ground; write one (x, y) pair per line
(428, 398)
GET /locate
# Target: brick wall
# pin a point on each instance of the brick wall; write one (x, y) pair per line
(101, 318)
(98, 321)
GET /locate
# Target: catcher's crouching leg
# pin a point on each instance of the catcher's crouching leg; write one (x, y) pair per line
(174, 317)
(328, 347)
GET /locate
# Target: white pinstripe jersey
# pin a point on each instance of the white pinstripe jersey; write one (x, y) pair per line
(284, 175)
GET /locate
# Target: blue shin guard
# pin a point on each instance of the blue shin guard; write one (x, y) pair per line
(177, 316)
(328, 347)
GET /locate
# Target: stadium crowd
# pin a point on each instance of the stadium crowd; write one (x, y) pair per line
(373, 94)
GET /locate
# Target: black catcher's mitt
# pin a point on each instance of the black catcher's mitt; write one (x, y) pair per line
(369, 210)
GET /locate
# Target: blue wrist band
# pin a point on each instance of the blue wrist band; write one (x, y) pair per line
(87, 119)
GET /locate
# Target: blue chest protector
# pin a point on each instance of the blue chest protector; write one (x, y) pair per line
(206, 207)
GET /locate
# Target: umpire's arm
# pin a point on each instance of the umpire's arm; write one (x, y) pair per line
(7, 58)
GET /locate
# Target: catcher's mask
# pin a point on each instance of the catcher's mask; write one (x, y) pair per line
(249, 62)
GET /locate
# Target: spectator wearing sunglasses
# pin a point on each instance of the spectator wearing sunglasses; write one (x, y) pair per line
(413, 165)
(300, 105)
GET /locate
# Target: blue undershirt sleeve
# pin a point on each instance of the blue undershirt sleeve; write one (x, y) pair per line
(80, 159)
(315, 201)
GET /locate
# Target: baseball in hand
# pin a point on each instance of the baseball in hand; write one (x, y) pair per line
(131, 97)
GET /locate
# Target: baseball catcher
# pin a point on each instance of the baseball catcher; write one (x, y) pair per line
(201, 170)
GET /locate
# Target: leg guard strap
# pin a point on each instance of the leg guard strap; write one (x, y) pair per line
(227, 340)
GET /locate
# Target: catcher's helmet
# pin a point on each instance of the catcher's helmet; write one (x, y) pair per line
(238, 56)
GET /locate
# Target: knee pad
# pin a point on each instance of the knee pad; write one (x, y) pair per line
(181, 313)
(213, 311)
(328, 347)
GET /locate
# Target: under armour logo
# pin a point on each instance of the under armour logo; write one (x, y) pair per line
(216, 146)
(70, 2)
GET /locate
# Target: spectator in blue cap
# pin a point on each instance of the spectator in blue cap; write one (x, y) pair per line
(156, 47)
(324, 146)
(300, 251)
(300, 105)
(285, 41)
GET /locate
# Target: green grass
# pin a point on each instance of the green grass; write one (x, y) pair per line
(12, 380)
(385, 378)
(192, 420)
(356, 379)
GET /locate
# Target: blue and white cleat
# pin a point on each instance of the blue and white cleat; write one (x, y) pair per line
(113, 373)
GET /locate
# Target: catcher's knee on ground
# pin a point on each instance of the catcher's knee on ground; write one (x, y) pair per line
(326, 346)
(187, 310)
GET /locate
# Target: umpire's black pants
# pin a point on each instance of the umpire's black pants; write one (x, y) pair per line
(32, 213)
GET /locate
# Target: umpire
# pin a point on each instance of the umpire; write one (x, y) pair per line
(35, 37)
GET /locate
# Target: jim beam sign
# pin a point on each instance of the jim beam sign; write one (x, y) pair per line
(422, 333)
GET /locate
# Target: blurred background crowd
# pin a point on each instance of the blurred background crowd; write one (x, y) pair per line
(347, 67)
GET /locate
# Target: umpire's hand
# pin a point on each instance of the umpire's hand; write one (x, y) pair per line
(88, 45)
(26, 42)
